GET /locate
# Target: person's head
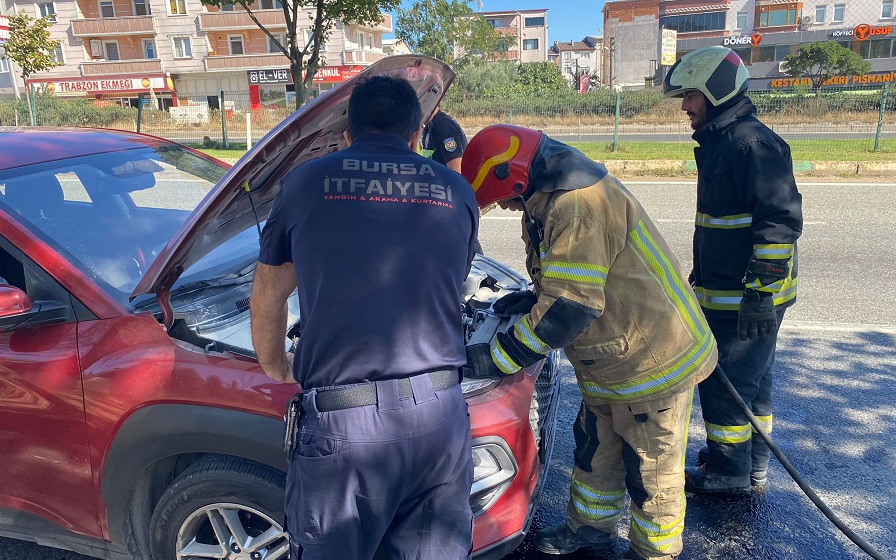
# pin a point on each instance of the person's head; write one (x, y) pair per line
(497, 163)
(708, 80)
(385, 105)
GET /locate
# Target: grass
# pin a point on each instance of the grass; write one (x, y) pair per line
(802, 150)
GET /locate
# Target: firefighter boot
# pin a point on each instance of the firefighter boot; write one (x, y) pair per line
(760, 454)
(632, 555)
(560, 539)
(701, 480)
(702, 456)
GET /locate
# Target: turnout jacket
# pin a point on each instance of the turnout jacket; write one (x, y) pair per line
(612, 294)
(748, 208)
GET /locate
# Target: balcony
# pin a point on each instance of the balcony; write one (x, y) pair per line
(111, 67)
(223, 21)
(362, 57)
(515, 31)
(245, 62)
(384, 25)
(101, 27)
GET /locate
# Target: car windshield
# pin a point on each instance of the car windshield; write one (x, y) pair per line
(111, 214)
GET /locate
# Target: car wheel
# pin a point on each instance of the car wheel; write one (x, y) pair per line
(221, 507)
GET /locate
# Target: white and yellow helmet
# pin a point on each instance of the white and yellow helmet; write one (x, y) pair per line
(717, 72)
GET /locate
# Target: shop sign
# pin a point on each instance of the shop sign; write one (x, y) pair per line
(863, 32)
(269, 76)
(842, 33)
(327, 74)
(4, 29)
(107, 84)
(864, 80)
(753, 40)
(668, 47)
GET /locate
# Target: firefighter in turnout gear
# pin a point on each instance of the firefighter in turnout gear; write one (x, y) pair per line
(749, 216)
(608, 291)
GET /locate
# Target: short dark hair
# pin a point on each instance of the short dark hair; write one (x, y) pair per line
(386, 105)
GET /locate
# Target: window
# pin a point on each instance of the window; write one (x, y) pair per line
(839, 13)
(877, 48)
(309, 36)
(534, 22)
(4, 66)
(227, 7)
(781, 52)
(149, 48)
(567, 55)
(766, 54)
(777, 18)
(110, 50)
(741, 20)
(182, 47)
(272, 45)
(142, 8)
(494, 22)
(585, 55)
(270, 5)
(820, 13)
(235, 43)
(530, 44)
(58, 54)
(691, 23)
(177, 7)
(46, 10)
(360, 40)
(886, 9)
(746, 55)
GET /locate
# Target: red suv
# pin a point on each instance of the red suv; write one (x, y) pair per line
(134, 419)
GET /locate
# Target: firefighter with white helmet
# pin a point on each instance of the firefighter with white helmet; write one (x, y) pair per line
(749, 216)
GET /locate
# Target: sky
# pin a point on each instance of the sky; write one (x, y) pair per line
(567, 19)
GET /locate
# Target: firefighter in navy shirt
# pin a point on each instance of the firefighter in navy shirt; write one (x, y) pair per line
(378, 240)
(444, 140)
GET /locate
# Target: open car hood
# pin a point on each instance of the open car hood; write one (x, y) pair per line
(314, 130)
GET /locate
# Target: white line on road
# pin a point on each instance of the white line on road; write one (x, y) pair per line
(836, 327)
(799, 183)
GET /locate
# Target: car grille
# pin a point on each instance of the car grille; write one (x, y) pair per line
(544, 400)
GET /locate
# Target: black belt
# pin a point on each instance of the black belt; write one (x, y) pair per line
(338, 398)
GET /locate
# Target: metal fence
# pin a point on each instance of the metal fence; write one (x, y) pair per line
(629, 123)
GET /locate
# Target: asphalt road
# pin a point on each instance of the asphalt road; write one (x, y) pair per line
(835, 375)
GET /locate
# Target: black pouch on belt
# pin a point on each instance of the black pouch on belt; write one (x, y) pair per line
(291, 418)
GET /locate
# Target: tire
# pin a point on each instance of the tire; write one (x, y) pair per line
(221, 499)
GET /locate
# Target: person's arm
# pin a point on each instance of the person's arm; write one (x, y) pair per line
(270, 290)
(451, 145)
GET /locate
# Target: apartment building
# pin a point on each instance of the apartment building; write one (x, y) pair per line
(763, 32)
(117, 49)
(575, 57)
(7, 80)
(525, 33)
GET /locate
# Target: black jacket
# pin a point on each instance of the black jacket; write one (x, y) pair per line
(748, 208)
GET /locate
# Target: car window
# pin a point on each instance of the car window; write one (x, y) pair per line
(110, 214)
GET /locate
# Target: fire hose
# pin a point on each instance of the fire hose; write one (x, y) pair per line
(796, 476)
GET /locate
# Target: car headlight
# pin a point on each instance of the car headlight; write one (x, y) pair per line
(472, 387)
(493, 470)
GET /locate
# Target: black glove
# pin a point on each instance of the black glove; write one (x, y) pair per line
(479, 362)
(757, 317)
(515, 303)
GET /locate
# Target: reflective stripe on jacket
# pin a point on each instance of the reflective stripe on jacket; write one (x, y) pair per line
(601, 252)
(748, 207)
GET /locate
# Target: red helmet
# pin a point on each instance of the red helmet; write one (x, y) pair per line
(496, 162)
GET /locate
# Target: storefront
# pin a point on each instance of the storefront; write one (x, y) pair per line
(156, 90)
(274, 87)
(764, 53)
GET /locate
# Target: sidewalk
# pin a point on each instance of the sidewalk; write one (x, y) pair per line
(679, 168)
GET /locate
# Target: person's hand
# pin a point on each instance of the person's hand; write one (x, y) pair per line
(515, 303)
(479, 362)
(757, 317)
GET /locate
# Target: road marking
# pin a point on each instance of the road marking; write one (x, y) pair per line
(659, 220)
(857, 183)
(836, 327)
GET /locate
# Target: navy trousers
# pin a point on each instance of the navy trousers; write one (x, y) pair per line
(388, 480)
(748, 365)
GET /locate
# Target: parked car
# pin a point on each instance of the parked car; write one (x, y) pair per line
(135, 421)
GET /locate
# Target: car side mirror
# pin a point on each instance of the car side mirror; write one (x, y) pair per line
(13, 301)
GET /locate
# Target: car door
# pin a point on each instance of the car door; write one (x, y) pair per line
(45, 471)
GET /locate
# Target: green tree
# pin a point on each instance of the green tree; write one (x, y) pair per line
(822, 60)
(541, 77)
(448, 30)
(30, 47)
(320, 16)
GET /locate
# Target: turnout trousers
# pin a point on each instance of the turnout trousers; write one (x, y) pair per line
(639, 448)
(387, 480)
(734, 447)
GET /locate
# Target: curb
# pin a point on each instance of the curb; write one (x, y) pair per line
(813, 168)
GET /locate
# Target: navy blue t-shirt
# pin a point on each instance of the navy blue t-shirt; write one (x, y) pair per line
(381, 239)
